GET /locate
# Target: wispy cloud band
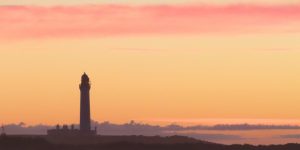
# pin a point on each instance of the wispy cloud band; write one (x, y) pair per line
(110, 20)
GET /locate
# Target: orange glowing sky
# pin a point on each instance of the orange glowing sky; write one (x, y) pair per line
(151, 62)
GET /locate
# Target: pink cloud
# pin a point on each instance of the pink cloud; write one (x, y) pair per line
(21, 22)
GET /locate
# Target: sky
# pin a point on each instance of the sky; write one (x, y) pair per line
(179, 61)
(130, 2)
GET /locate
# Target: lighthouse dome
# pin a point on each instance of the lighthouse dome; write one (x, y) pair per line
(85, 78)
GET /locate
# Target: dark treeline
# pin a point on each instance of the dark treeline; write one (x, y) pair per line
(134, 128)
(38, 143)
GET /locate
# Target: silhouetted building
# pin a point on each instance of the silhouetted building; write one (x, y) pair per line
(2, 131)
(85, 116)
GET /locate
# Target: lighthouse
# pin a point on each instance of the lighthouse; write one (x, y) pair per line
(85, 116)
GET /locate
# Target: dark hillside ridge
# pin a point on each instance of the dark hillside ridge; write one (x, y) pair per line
(128, 143)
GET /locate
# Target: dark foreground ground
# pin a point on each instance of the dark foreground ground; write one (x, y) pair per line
(125, 143)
